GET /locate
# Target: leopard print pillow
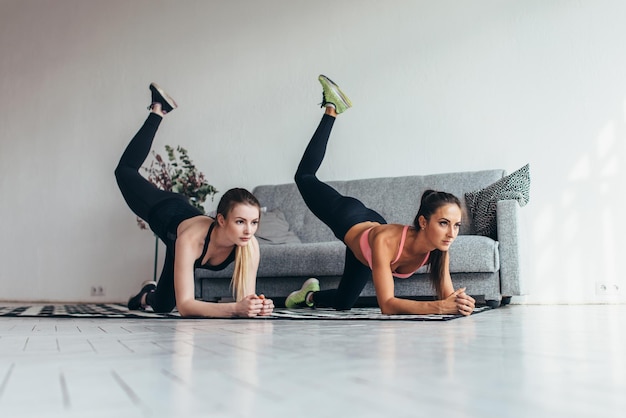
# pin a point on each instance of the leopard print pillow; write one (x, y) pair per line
(482, 203)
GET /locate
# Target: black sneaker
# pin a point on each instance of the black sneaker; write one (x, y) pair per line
(160, 96)
(134, 303)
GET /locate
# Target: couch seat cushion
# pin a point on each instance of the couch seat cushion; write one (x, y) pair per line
(474, 254)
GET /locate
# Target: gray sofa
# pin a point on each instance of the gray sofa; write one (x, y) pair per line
(488, 268)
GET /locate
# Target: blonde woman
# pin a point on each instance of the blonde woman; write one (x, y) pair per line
(193, 240)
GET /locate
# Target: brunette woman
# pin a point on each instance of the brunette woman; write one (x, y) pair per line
(376, 250)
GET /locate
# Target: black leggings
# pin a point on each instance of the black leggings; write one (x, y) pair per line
(162, 210)
(340, 213)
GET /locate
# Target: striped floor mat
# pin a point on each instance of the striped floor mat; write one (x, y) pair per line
(113, 310)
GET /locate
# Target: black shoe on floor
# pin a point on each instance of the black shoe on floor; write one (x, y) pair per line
(134, 303)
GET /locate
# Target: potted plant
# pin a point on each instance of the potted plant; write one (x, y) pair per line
(179, 175)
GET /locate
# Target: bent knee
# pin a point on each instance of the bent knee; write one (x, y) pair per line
(120, 172)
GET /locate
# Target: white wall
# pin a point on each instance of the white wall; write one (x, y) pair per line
(437, 87)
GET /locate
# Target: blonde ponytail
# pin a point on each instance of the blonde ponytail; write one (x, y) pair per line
(238, 284)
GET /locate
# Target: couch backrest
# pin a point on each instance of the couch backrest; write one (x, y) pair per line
(395, 198)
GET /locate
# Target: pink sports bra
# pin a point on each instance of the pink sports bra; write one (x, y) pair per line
(367, 251)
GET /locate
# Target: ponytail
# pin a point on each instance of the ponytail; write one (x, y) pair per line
(243, 257)
(435, 270)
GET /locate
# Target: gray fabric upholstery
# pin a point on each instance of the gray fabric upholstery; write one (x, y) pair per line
(274, 229)
(487, 267)
(508, 214)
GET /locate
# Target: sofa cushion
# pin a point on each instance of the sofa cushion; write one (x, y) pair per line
(482, 203)
(293, 260)
(474, 254)
(274, 229)
(299, 260)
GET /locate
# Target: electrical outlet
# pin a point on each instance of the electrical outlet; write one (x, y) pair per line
(97, 290)
(608, 289)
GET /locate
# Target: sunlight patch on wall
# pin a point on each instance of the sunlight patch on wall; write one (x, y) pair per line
(581, 170)
(577, 234)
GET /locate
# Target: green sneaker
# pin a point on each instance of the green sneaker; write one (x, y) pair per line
(297, 299)
(332, 94)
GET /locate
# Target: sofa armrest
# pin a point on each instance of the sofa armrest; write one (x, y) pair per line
(508, 224)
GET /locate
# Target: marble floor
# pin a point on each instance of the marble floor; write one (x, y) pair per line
(517, 361)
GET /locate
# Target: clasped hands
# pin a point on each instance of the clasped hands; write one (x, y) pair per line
(460, 302)
(253, 305)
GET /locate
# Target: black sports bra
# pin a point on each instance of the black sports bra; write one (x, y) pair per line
(208, 266)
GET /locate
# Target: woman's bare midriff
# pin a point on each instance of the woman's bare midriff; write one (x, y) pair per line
(353, 236)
